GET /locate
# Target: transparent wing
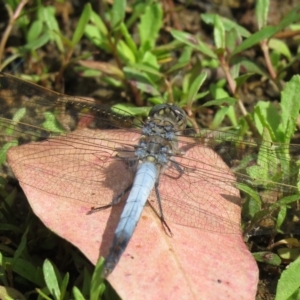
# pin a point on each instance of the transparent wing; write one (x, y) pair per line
(30, 112)
(99, 161)
(206, 195)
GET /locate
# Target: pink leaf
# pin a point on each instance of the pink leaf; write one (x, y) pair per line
(64, 177)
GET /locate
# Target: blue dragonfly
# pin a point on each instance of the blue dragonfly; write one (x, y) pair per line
(166, 150)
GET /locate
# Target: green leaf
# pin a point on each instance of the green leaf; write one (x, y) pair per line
(167, 48)
(118, 13)
(64, 285)
(129, 110)
(242, 79)
(87, 277)
(231, 116)
(268, 31)
(145, 87)
(97, 286)
(281, 216)
(232, 38)
(280, 47)
(292, 17)
(77, 294)
(27, 270)
(235, 71)
(177, 66)
(249, 191)
(267, 257)
(185, 56)
(51, 123)
(10, 59)
(149, 59)
(194, 88)
(247, 65)
(227, 23)
(35, 44)
(151, 23)
(83, 20)
(266, 116)
(128, 39)
(230, 25)
(157, 100)
(289, 281)
(275, 58)
(285, 201)
(227, 101)
(249, 209)
(136, 75)
(34, 31)
(96, 19)
(8, 293)
(3, 273)
(218, 91)
(125, 52)
(201, 95)
(290, 107)
(219, 33)
(219, 117)
(255, 39)
(51, 279)
(19, 114)
(43, 294)
(150, 69)
(194, 42)
(47, 14)
(289, 254)
(96, 37)
(266, 161)
(261, 12)
(137, 9)
(22, 246)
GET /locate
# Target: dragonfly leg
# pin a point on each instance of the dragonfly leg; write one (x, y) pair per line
(115, 201)
(160, 214)
(130, 163)
(178, 168)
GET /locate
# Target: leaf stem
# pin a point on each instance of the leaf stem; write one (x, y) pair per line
(232, 86)
(9, 27)
(265, 49)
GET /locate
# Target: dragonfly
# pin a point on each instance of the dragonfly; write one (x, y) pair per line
(164, 155)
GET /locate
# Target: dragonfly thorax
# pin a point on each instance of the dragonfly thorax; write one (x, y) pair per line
(155, 149)
(159, 141)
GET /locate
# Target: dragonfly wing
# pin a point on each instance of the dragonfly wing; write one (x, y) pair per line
(82, 166)
(203, 196)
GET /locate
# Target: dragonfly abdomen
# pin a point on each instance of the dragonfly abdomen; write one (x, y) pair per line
(142, 186)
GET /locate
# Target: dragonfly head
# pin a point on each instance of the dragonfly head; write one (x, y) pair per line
(169, 113)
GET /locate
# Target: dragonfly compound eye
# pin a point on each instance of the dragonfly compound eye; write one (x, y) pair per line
(170, 111)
